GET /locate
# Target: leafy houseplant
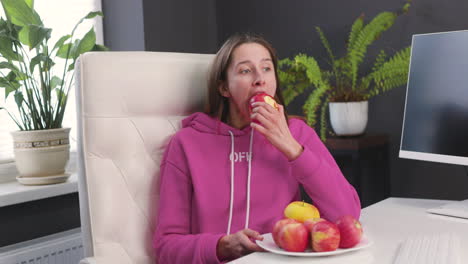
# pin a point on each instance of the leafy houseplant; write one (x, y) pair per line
(343, 82)
(41, 96)
(40, 90)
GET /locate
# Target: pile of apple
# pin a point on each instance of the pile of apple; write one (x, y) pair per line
(303, 227)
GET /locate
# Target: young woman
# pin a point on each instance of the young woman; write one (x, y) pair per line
(228, 174)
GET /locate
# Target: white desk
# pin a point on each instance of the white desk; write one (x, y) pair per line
(386, 223)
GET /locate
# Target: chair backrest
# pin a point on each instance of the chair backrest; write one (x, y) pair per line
(129, 104)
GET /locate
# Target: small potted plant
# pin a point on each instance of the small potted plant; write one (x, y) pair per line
(27, 73)
(343, 88)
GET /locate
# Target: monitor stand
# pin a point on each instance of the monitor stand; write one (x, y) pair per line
(457, 209)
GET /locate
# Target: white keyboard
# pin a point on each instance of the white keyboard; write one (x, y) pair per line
(429, 249)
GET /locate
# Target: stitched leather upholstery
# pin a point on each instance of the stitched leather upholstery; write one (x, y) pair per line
(129, 104)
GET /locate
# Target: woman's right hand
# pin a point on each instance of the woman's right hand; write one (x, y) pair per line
(238, 244)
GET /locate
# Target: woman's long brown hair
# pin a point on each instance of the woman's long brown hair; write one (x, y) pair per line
(218, 105)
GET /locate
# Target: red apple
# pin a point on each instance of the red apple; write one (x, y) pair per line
(351, 231)
(309, 223)
(301, 211)
(294, 237)
(263, 97)
(278, 226)
(325, 236)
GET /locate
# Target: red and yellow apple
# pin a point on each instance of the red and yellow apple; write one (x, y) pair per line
(309, 223)
(350, 230)
(294, 237)
(301, 211)
(278, 226)
(263, 97)
(325, 236)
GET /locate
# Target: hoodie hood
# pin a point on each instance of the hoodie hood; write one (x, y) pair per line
(207, 124)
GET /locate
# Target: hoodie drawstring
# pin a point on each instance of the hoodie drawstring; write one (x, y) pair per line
(248, 180)
(232, 184)
(247, 215)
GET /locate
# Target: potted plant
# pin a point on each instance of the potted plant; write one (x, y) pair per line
(344, 88)
(27, 72)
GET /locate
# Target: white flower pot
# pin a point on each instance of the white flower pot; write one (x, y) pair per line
(348, 118)
(41, 155)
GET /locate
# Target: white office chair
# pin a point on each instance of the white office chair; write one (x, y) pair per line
(129, 104)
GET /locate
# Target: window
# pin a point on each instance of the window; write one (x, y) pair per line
(61, 16)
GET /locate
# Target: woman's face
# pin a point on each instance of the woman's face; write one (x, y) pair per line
(251, 71)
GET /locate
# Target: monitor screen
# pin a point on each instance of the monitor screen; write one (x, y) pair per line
(435, 123)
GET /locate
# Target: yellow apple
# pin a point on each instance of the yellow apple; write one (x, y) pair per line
(301, 211)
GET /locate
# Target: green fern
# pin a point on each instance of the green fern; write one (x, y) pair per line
(343, 82)
(391, 74)
(293, 78)
(355, 30)
(311, 67)
(367, 36)
(323, 119)
(379, 61)
(312, 104)
(326, 44)
(314, 75)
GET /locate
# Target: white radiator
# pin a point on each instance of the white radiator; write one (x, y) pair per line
(61, 248)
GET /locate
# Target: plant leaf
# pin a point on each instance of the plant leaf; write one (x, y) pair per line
(90, 15)
(71, 67)
(62, 96)
(23, 35)
(60, 42)
(93, 14)
(37, 34)
(36, 60)
(86, 44)
(8, 65)
(4, 28)
(19, 98)
(98, 47)
(30, 3)
(355, 30)
(6, 49)
(9, 86)
(366, 37)
(326, 44)
(55, 81)
(4, 83)
(62, 51)
(20, 13)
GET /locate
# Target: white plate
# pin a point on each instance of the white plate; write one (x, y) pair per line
(269, 245)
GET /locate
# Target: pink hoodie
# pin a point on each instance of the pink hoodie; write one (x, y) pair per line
(199, 204)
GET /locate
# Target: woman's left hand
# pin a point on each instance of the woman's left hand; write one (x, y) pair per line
(274, 127)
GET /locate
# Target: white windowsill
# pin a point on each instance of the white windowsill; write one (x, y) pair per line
(14, 193)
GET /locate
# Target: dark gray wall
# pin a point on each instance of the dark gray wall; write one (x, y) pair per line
(289, 25)
(202, 26)
(180, 25)
(123, 25)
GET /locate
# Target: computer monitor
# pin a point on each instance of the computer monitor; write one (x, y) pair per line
(435, 122)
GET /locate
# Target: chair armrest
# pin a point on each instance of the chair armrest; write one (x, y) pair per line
(90, 260)
(111, 256)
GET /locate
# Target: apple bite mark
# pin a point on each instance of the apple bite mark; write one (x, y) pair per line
(263, 97)
(269, 100)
